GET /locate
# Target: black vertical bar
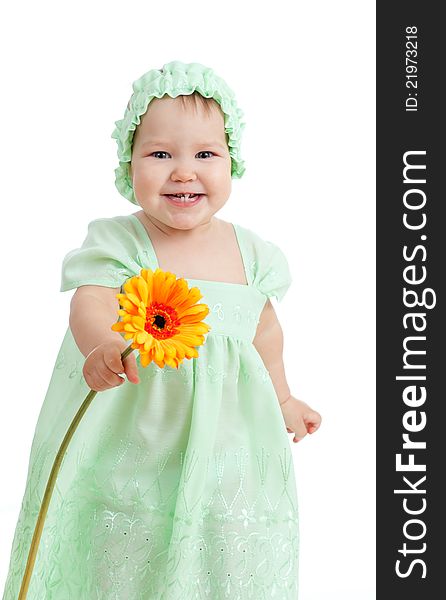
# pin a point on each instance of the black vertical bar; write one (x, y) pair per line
(410, 256)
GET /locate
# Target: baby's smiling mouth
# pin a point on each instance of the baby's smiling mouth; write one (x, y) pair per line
(184, 198)
(187, 194)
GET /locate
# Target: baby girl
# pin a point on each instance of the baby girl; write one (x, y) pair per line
(179, 483)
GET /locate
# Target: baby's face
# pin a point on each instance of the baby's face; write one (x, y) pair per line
(177, 149)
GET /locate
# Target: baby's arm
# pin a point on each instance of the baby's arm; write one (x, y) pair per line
(93, 310)
(268, 341)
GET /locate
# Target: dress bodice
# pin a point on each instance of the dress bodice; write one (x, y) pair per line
(119, 247)
(234, 309)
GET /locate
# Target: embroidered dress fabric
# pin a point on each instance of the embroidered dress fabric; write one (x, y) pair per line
(181, 486)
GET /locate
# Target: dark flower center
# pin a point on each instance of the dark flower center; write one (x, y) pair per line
(159, 321)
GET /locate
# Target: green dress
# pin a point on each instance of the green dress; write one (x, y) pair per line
(180, 487)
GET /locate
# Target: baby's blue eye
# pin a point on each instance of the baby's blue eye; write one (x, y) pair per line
(206, 152)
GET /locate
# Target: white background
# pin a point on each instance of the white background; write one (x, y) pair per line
(303, 73)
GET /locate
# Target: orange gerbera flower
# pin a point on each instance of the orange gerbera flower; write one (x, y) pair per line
(159, 312)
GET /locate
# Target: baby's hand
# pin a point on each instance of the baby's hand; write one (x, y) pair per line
(299, 418)
(103, 364)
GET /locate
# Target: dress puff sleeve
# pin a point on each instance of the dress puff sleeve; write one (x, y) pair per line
(272, 275)
(106, 257)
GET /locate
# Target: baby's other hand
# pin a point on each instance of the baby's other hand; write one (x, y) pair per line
(299, 418)
(103, 364)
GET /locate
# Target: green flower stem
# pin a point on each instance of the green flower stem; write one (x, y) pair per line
(50, 486)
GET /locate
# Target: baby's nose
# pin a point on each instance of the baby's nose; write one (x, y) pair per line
(183, 169)
(183, 174)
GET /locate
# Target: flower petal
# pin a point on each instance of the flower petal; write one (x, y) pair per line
(194, 310)
(171, 361)
(148, 343)
(139, 323)
(178, 293)
(134, 298)
(145, 359)
(143, 289)
(141, 337)
(193, 296)
(169, 348)
(159, 352)
(194, 328)
(191, 340)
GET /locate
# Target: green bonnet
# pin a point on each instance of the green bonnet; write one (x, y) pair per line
(174, 79)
